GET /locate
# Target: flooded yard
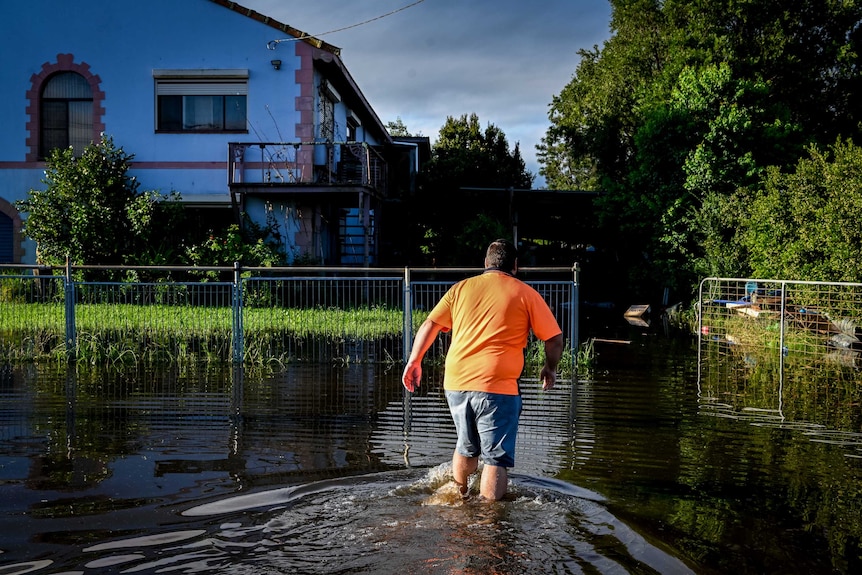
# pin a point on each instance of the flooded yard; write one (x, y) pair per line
(650, 463)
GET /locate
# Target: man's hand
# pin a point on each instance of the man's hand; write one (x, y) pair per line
(553, 353)
(424, 338)
(549, 378)
(412, 375)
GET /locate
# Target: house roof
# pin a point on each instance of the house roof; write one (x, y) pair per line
(273, 23)
(325, 55)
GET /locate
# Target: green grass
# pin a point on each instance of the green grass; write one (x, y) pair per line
(130, 333)
(32, 316)
(362, 323)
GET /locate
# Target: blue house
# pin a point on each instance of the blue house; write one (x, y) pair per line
(242, 115)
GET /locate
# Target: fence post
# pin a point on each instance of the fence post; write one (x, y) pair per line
(782, 324)
(574, 304)
(237, 334)
(69, 301)
(407, 337)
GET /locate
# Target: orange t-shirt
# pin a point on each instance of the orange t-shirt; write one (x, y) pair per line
(490, 316)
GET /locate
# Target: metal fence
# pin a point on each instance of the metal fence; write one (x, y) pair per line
(425, 287)
(782, 354)
(791, 324)
(311, 314)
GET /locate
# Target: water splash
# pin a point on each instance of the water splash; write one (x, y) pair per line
(382, 523)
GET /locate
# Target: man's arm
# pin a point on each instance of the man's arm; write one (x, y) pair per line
(425, 336)
(553, 353)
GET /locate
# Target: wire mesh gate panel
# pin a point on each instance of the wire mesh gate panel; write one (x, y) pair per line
(801, 321)
(779, 351)
(32, 316)
(161, 321)
(348, 319)
(343, 315)
(560, 294)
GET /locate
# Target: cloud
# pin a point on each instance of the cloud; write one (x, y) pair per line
(504, 60)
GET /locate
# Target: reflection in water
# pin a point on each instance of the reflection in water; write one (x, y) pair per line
(748, 384)
(804, 423)
(641, 467)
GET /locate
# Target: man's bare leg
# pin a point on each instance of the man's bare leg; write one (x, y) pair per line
(462, 468)
(495, 482)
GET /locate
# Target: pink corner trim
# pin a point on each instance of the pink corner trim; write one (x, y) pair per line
(304, 129)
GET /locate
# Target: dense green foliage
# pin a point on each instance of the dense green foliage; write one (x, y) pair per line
(255, 246)
(92, 212)
(807, 223)
(688, 112)
(463, 201)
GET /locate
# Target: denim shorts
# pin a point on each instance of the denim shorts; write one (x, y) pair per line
(487, 424)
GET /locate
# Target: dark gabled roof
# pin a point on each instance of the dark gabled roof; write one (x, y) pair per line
(326, 56)
(272, 23)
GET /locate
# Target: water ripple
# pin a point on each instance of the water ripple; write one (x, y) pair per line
(382, 523)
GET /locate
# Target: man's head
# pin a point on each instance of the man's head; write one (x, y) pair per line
(503, 255)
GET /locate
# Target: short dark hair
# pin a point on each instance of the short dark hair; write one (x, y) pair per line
(501, 254)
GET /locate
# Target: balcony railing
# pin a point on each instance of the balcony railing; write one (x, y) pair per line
(306, 163)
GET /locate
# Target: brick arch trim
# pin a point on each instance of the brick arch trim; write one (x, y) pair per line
(9, 210)
(64, 63)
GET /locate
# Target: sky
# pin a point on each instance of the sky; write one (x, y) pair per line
(424, 61)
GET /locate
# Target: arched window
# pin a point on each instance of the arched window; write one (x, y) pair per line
(66, 115)
(70, 88)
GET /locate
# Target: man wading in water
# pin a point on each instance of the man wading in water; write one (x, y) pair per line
(490, 317)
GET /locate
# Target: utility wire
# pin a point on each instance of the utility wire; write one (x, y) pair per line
(273, 43)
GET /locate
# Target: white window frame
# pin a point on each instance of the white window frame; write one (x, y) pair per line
(354, 124)
(204, 82)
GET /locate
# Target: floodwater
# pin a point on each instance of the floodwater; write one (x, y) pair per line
(639, 467)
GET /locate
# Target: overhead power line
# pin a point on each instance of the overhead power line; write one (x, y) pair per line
(273, 43)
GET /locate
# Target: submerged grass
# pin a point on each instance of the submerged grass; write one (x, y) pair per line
(129, 334)
(112, 333)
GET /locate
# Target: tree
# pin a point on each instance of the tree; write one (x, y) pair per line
(681, 112)
(463, 201)
(738, 131)
(253, 245)
(91, 210)
(595, 117)
(805, 224)
(398, 129)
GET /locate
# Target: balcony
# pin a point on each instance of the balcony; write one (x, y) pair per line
(326, 166)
